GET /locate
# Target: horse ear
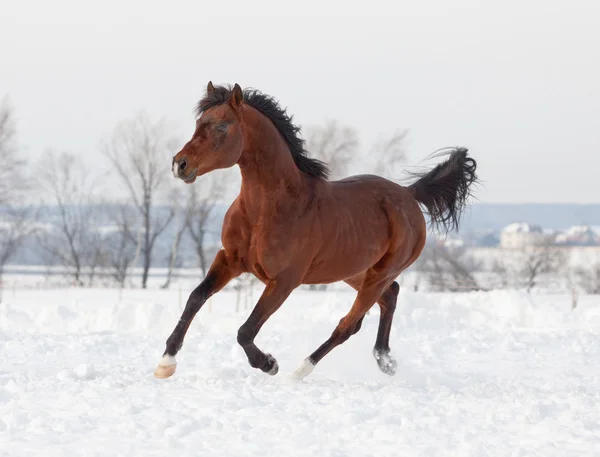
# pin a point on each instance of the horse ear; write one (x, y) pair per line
(210, 88)
(237, 96)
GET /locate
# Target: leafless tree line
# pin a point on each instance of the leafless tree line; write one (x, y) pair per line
(89, 231)
(339, 146)
(14, 227)
(447, 268)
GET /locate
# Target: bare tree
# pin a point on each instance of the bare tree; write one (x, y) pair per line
(419, 267)
(572, 284)
(122, 245)
(536, 261)
(14, 228)
(389, 153)
(449, 269)
(502, 274)
(73, 239)
(140, 151)
(588, 277)
(337, 145)
(334, 144)
(204, 197)
(181, 206)
(12, 181)
(96, 255)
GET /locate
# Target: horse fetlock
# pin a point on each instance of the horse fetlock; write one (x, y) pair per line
(245, 336)
(174, 345)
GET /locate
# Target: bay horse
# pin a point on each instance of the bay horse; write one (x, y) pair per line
(290, 225)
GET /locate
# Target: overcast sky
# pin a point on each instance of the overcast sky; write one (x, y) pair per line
(517, 82)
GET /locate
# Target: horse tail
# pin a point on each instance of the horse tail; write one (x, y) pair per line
(444, 190)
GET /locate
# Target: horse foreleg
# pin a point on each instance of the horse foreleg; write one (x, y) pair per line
(272, 298)
(222, 271)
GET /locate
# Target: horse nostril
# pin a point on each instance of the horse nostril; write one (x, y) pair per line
(182, 165)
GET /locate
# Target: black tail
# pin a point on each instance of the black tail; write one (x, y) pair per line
(445, 189)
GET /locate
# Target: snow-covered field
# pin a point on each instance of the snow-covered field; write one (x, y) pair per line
(480, 374)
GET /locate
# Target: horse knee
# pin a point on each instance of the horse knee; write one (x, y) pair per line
(199, 296)
(245, 336)
(196, 298)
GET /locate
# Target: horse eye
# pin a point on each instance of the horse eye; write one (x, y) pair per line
(221, 128)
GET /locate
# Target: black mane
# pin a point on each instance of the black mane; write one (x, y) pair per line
(268, 106)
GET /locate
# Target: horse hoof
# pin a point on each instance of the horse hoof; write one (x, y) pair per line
(271, 367)
(273, 371)
(385, 361)
(166, 367)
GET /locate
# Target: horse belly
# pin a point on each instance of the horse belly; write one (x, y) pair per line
(354, 250)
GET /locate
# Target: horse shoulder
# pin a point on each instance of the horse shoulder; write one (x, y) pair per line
(235, 235)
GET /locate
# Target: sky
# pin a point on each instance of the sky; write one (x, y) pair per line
(517, 82)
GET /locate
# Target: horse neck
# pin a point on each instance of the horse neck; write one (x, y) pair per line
(270, 178)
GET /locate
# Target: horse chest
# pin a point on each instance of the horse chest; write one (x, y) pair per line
(266, 240)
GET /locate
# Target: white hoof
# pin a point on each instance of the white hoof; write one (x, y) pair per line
(304, 369)
(166, 367)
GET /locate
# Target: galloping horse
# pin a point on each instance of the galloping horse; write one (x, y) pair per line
(290, 225)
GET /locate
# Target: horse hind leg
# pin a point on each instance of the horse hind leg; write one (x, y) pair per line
(381, 351)
(370, 290)
(387, 306)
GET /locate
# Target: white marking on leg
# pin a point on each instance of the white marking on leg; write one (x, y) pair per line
(304, 369)
(386, 362)
(167, 360)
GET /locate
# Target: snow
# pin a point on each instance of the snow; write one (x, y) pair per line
(479, 374)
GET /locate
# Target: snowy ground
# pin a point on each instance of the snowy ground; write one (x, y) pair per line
(481, 374)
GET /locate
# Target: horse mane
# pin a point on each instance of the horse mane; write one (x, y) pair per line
(269, 107)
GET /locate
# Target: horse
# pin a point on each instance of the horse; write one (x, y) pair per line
(290, 225)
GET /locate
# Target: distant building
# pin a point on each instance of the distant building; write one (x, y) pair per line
(579, 235)
(520, 234)
(451, 243)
